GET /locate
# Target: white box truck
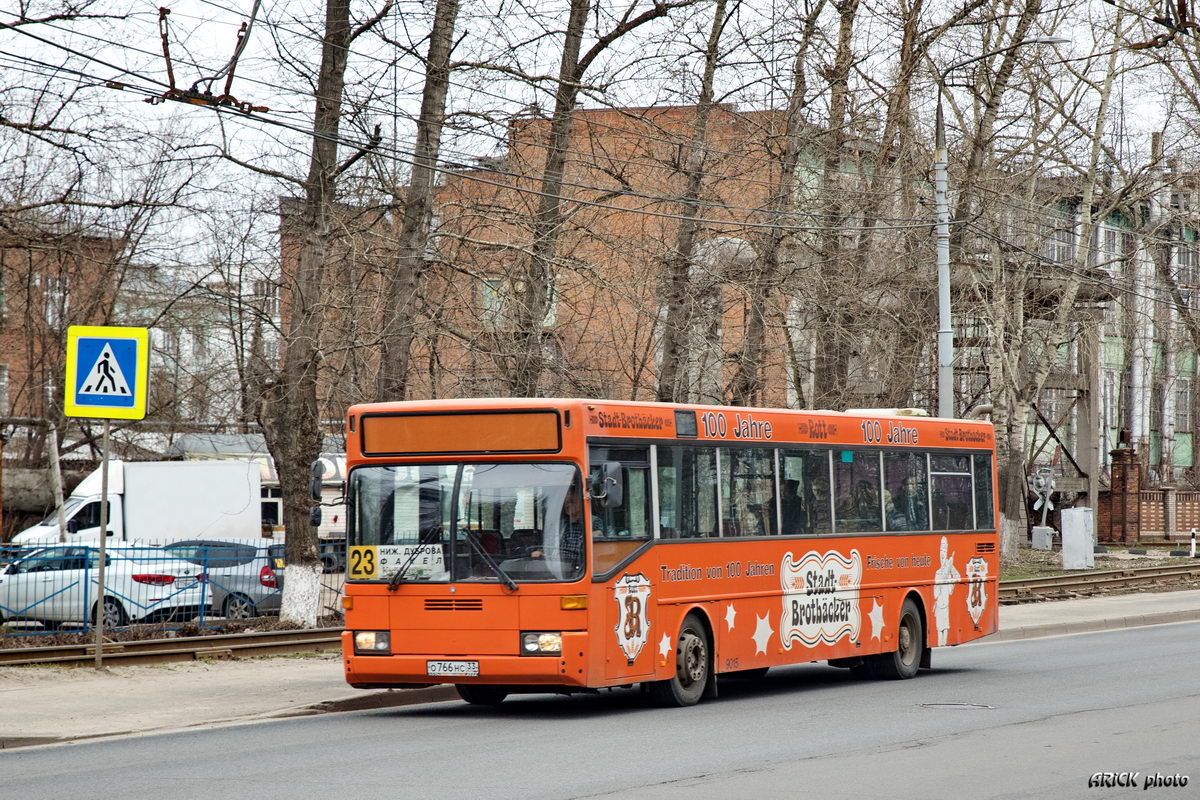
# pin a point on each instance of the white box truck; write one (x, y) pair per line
(161, 501)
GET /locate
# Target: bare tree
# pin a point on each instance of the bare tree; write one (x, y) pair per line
(289, 412)
(679, 287)
(525, 361)
(416, 210)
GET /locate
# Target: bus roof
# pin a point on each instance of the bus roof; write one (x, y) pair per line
(512, 425)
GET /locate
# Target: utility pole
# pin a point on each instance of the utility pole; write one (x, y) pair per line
(941, 201)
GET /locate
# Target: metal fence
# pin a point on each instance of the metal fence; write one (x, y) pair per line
(54, 587)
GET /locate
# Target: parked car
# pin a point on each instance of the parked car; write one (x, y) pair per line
(60, 585)
(245, 577)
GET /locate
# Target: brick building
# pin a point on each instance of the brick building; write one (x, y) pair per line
(47, 283)
(605, 302)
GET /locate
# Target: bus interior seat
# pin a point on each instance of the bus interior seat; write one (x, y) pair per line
(490, 541)
(523, 540)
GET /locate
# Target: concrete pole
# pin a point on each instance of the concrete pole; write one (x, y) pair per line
(941, 202)
(56, 484)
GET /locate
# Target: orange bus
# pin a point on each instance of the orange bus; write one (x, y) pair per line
(540, 545)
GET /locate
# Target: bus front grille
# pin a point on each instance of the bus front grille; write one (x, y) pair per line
(453, 604)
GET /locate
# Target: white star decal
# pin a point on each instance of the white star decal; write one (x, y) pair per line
(664, 647)
(876, 617)
(730, 613)
(762, 634)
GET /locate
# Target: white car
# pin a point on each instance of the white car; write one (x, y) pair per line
(60, 585)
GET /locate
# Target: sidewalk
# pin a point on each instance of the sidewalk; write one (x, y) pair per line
(41, 705)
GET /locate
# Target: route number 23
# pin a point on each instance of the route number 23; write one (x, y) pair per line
(364, 563)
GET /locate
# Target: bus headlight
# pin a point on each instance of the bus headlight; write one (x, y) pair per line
(372, 642)
(541, 643)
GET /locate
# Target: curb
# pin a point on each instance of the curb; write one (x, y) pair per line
(1092, 626)
(388, 698)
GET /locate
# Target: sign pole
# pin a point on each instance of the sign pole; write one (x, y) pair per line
(99, 621)
(108, 375)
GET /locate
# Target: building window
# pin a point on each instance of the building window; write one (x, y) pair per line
(1058, 242)
(3, 389)
(1184, 412)
(200, 343)
(499, 298)
(1157, 399)
(1187, 271)
(55, 297)
(166, 341)
(266, 295)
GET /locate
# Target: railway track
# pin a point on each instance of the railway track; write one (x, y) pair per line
(190, 648)
(1079, 585)
(198, 648)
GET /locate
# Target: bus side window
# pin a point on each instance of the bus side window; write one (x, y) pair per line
(804, 499)
(631, 519)
(620, 530)
(984, 521)
(905, 478)
(952, 493)
(687, 492)
(859, 501)
(748, 489)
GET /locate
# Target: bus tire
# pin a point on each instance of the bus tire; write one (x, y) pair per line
(693, 667)
(905, 660)
(478, 694)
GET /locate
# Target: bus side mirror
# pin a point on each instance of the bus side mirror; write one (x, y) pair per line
(314, 516)
(317, 471)
(72, 525)
(608, 488)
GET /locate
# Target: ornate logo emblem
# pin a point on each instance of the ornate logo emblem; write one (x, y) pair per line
(820, 598)
(632, 593)
(976, 587)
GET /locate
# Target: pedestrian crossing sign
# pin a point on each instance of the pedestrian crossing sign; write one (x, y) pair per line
(107, 372)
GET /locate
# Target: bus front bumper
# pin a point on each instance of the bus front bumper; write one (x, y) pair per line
(567, 669)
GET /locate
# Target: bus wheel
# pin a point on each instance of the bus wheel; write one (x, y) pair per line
(910, 644)
(481, 695)
(692, 667)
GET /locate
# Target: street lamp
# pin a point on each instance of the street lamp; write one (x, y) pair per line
(941, 183)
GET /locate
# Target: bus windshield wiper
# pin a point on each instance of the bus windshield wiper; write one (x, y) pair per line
(491, 562)
(399, 576)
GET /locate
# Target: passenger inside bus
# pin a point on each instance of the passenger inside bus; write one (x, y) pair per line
(792, 507)
(859, 510)
(909, 508)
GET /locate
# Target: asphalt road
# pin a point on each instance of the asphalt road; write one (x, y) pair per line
(1014, 719)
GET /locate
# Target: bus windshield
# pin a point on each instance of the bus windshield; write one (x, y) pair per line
(471, 522)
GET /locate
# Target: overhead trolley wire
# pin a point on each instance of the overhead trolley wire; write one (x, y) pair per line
(474, 90)
(749, 209)
(465, 171)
